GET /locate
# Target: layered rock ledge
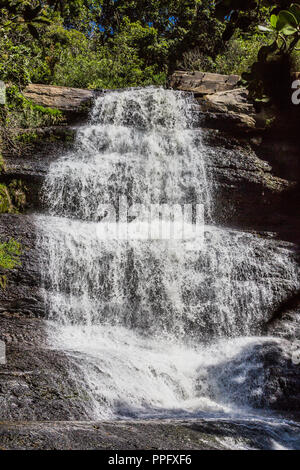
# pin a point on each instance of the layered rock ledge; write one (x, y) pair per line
(69, 100)
(202, 83)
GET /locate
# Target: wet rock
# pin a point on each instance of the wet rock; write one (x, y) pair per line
(285, 321)
(229, 110)
(29, 161)
(246, 192)
(152, 435)
(35, 382)
(263, 375)
(202, 434)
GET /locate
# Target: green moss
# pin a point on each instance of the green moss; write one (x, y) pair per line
(69, 136)
(2, 163)
(10, 253)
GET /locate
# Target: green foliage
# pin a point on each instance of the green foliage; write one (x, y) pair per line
(27, 137)
(21, 23)
(21, 112)
(115, 65)
(274, 59)
(238, 55)
(6, 205)
(285, 28)
(12, 197)
(268, 80)
(23, 12)
(2, 163)
(123, 43)
(10, 253)
(181, 25)
(139, 42)
(18, 191)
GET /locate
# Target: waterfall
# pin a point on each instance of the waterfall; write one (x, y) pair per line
(147, 319)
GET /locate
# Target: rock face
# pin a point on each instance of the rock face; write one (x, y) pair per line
(200, 434)
(254, 167)
(70, 100)
(227, 110)
(263, 376)
(285, 322)
(35, 383)
(202, 83)
(247, 193)
(22, 294)
(224, 106)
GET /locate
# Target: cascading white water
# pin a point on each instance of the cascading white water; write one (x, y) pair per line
(139, 314)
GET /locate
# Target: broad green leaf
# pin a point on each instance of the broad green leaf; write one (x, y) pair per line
(288, 30)
(286, 23)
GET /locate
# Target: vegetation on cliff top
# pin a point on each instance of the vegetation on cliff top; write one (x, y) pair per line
(119, 43)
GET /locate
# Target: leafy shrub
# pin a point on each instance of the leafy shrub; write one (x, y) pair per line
(21, 112)
(6, 205)
(12, 197)
(238, 55)
(85, 64)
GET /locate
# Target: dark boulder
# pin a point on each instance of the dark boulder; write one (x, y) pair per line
(263, 375)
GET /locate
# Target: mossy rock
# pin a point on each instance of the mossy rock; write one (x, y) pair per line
(12, 197)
